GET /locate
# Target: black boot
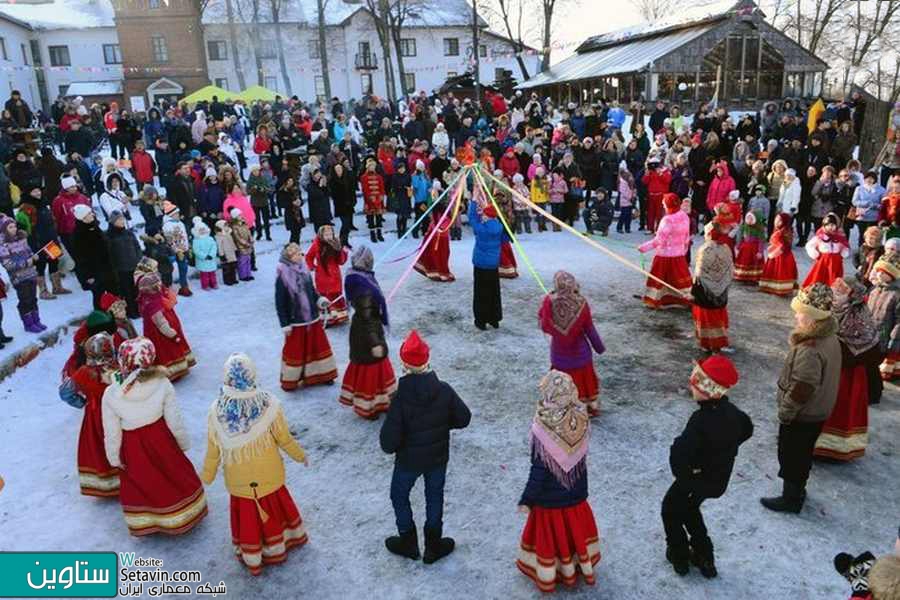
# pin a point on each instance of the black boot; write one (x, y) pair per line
(436, 547)
(406, 544)
(4, 338)
(378, 235)
(679, 557)
(372, 236)
(702, 557)
(790, 501)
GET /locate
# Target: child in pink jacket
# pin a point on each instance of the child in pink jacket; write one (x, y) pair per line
(558, 190)
(669, 263)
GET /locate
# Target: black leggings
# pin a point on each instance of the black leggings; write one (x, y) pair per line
(262, 221)
(43, 263)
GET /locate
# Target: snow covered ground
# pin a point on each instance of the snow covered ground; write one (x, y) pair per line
(343, 495)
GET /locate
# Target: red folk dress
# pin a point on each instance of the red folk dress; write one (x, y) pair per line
(329, 279)
(163, 328)
(95, 475)
(434, 263)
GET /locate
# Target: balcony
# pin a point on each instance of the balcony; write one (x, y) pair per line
(366, 62)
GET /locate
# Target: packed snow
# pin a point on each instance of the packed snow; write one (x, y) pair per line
(343, 495)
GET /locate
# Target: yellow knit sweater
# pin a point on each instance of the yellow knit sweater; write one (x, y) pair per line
(259, 467)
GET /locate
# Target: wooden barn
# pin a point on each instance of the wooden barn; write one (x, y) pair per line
(726, 46)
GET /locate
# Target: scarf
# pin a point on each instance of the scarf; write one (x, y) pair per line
(856, 328)
(242, 414)
(566, 302)
(714, 268)
(837, 237)
(360, 281)
(295, 278)
(561, 429)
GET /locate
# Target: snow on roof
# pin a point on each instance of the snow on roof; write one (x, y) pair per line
(95, 88)
(613, 60)
(684, 17)
(61, 14)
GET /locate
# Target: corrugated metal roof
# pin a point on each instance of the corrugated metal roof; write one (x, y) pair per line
(95, 88)
(62, 14)
(623, 58)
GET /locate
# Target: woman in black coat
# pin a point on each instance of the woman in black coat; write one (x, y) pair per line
(342, 186)
(92, 257)
(23, 173)
(124, 255)
(52, 170)
(319, 200)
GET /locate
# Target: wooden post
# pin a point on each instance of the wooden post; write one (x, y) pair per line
(784, 83)
(631, 81)
(725, 72)
(743, 61)
(697, 88)
(759, 67)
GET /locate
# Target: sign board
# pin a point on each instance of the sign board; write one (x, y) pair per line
(137, 104)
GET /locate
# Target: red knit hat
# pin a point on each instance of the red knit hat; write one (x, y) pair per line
(672, 202)
(490, 212)
(107, 300)
(414, 352)
(714, 376)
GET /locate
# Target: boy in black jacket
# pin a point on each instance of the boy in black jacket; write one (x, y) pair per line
(417, 430)
(702, 458)
(401, 193)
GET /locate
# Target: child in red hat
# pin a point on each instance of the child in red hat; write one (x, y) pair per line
(417, 432)
(702, 458)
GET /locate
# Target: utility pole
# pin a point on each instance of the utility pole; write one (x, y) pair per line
(475, 53)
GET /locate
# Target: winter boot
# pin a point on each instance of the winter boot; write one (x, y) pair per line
(185, 291)
(702, 557)
(372, 236)
(43, 292)
(58, 289)
(29, 320)
(680, 559)
(406, 544)
(37, 320)
(4, 339)
(436, 547)
(379, 235)
(790, 501)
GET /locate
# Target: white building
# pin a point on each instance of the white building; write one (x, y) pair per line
(52, 45)
(436, 43)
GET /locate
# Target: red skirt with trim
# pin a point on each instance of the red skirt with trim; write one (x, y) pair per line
(845, 434)
(557, 543)
(711, 327)
(779, 275)
(159, 489)
(337, 311)
(588, 385)
(826, 269)
(508, 268)
(748, 266)
(262, 541)
(890, 366)
(175, 356)
(95, 475)
(368, 387)
(673, 270)
(434, 263)
(306, 357)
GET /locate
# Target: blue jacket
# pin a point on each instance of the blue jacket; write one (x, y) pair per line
(868, 204)
(206, 253)
(212, 197)
(544, 490)
(616, 117)
(488, 237)
(421, 186)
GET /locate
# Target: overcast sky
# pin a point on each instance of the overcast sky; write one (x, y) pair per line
(590, 17)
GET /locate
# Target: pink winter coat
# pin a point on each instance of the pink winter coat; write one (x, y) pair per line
(242, 203)
(719, 189)
(672, 236)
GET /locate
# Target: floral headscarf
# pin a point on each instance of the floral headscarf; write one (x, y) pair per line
(561, 429)
(100, 351)
(566, 301)
(856, 327)
(135, 356)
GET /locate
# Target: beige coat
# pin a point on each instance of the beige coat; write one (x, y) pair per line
(808, 385)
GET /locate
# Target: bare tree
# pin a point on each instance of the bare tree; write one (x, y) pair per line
(651, 10)
(548, 11)
(253, 24)
(275, 6)
(233, 42)
(867, 29)
(397, 14)
(509, 14)
(321, 5)
(380, 11)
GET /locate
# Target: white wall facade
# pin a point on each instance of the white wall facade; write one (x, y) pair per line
(85, 57)
(429, 65)
(15, 72)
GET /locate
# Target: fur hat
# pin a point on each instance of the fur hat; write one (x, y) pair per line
(814, 301)
(69, 182)
(81, 211)
(414, 353)
(872, 236)
(884, 578)
(889, 263)
(713, 377)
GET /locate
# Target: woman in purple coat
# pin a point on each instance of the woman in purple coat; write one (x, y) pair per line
(566, 317)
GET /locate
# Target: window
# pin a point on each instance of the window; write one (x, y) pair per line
(267, 49)
(409, 82)
(270, 82)
(112, 54)
(408, 47)
(63, 89)
(221, 82)
(320, 86)
(3, 48)
(153, 3)
(24, 54)
(59, 56)
(366, 81)
(160, 49)
(217, 50)
(364, 48)
(482, 51)
(451, 74)
(313, 46)
(451, 46)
